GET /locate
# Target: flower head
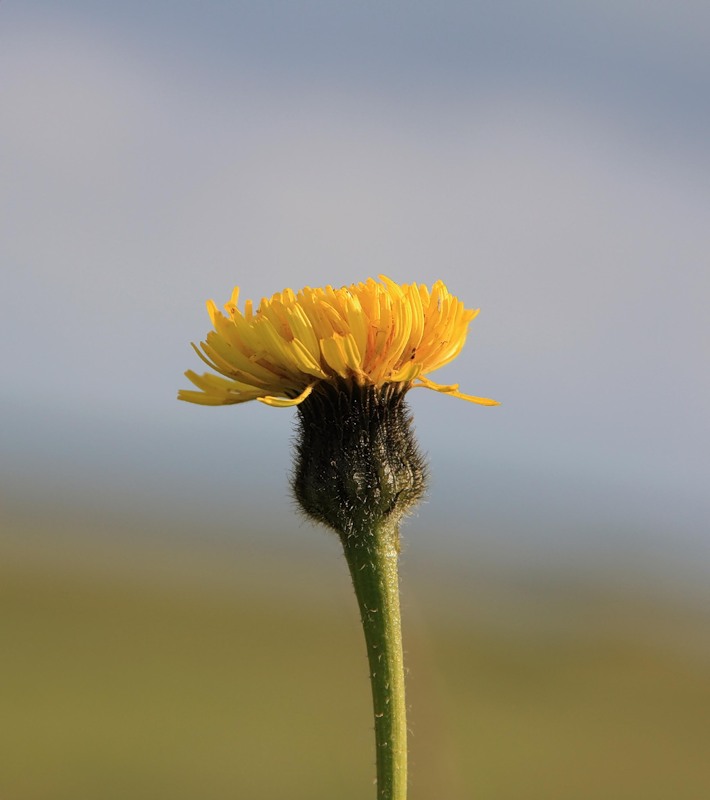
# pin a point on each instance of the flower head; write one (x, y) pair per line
(367, 334)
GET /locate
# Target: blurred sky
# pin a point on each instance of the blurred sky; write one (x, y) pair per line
(549, 161)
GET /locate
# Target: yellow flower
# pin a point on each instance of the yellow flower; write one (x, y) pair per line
(366, 334)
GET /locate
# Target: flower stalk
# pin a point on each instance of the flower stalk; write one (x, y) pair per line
(372, 557)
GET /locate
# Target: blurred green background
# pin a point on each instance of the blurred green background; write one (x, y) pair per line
(170, 627)
(137, 663)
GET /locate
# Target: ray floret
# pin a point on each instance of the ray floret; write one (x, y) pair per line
(367, 334)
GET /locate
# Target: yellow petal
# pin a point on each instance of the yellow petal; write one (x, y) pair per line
(202, 399)
(286, 402)
(425, 383)
(334, 356)
(406, 373)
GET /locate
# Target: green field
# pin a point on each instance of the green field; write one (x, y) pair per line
(166, 670)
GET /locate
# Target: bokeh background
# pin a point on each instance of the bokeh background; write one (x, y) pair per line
(171, 627)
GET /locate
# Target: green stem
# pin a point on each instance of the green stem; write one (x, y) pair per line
(372, 559)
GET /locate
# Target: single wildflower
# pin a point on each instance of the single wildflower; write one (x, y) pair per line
(346, 358)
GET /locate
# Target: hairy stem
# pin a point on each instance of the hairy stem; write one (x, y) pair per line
(372, 558)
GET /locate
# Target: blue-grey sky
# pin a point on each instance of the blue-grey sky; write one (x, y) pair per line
(549, 161)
